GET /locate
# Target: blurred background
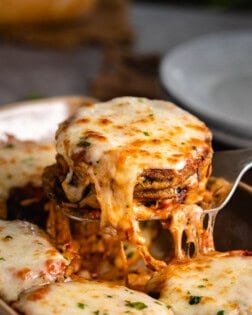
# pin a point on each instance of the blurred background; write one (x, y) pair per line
(227, 4)
(92, 47)
(103, 48)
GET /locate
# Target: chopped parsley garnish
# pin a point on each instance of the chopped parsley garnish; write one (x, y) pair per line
(96, 312)
(201, 286)
(169, 306)
(193, 299)
(2, 258)
(27, 160)
(221, 312)
(136, 305)
(109, 296)
(205, 279)
(146, 133)
(130, 254)
(81, 305)
(84, 143)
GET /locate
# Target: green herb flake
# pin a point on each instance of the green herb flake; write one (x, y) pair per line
(221, 312)
(81, 305)
(130, 254)
(193, 299)
(84, 143)
(168, 306)
(2, 258)
(201, 286)
(96, 312)
(146, 133)
(204, 279)
(136, 305)
(109, 296)
(27, 160)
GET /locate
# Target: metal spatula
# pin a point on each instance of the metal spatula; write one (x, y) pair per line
(231, 165)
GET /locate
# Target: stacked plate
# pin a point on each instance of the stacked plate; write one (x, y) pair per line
(212, 77)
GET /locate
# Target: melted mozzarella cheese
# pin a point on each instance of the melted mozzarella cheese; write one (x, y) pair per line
(111, 143)
(22, 162)
(88, 298)
(220, 283)
(27, 258)
(155, 134)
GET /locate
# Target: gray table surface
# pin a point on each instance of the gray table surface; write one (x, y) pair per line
(159, 28)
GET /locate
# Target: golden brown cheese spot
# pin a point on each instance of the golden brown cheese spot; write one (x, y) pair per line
(51, 252)
(172, 160)
(94, 135)
(196, 127)
(139, 142)
(156, 141)
(143, 121)
(119, 127)
(39, 294)
(23, 273)
(104, 121)
(88, 105)
(207, 299)
(82, 121)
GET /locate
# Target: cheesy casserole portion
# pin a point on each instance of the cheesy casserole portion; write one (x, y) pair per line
(130, 159)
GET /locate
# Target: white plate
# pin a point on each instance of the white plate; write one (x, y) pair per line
(212, 77)
(37, 120)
